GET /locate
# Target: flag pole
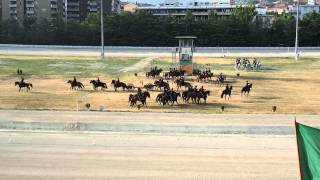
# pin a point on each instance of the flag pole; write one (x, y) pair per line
(296, 134)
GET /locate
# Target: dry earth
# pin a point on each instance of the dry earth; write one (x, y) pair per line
(76, 154)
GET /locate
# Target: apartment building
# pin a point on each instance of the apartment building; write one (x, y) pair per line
(30, 8)
(199, 8)
(68, 9)
(79, 9)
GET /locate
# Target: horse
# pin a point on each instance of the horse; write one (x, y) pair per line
(166, 97)
(181, 83)
(206, 75)
(153, 73)
(246, 89)
(97, 84)
(161, 84)
(23, 85)
(149, 86)
(130, 87)
(73, 84)
(117, 84)
(226, 92)
(202, 95)
(134, 98)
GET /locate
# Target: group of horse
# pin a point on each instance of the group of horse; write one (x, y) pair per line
(185, 90)
(77, 85)
(203, 75)
(246, 64)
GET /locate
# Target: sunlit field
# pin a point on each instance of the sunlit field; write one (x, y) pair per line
(282, 82)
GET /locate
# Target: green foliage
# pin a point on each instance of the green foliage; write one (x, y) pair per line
(242, 28)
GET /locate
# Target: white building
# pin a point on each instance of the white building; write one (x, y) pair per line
(304, 9)
(199, 8)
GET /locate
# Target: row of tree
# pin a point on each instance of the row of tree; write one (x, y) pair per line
(242, 28)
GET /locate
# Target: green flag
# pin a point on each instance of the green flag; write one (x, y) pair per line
(308, 140)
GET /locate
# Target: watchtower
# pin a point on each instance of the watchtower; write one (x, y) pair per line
(186, 49)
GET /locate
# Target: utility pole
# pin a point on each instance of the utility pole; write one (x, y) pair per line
(66, 10)
(102, 30)
(297, 32)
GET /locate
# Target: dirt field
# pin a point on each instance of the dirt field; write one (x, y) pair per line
(61, 156)
(291, 86)
(143, 154)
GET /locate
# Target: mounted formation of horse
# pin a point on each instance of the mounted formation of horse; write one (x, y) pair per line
(188, 92)
(246, 64)
(154, 72)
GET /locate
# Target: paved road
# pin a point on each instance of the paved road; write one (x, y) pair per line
(153, 51)
(147, 145)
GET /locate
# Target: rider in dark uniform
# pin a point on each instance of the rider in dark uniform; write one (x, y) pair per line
(118, 81)
(227, 87)
(201, 89)
(139, 94)
(98, 81)
(74, 80)
(196, 89)
(22, 80)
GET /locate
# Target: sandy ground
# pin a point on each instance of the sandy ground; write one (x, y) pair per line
(26, 154)
(158, 118)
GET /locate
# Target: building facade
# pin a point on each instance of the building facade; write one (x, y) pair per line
(129, 7)
(199, 12)
(30, 8)
(78, 10)
(68, 9)
(304, 9)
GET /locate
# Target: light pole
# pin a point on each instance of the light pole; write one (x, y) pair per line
(297, 31)
(102, 30)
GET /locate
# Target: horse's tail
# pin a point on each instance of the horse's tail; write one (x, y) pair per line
(222, 94)
(31, 85)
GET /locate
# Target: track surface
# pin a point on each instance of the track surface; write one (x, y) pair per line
(155, 51)
(27, 153)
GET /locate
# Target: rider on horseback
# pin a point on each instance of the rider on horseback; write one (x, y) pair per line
(74, 80)
(22, 80)
(139, 94)
(98, 80)
(227, 87)
(195, 89)
(201, 89)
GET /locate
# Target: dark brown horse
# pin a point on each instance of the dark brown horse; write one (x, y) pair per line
(134, 98)
(246, 89)
(226, 92)
(75, 84)
(97, 84)
(117, 84)
(21, 85)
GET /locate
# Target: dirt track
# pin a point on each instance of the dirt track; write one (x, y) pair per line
(142, 154)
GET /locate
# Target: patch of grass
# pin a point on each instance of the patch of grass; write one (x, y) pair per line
(59, 67)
